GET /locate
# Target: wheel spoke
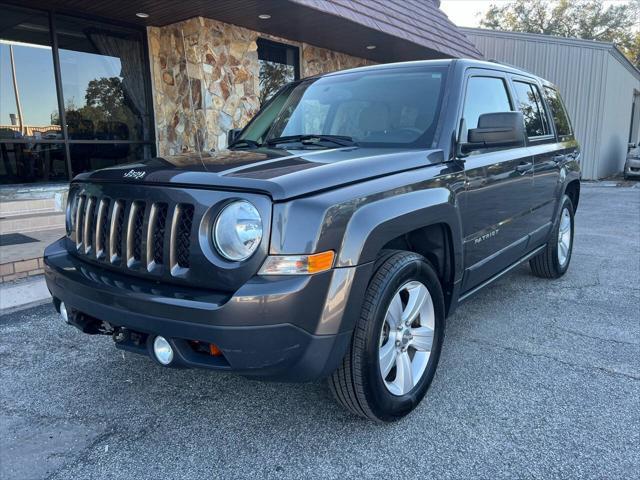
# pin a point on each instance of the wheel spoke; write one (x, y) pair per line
(564, 250)
(417, 297)
(394, 313)
(422, 339)
(404, 373)
(388, 353)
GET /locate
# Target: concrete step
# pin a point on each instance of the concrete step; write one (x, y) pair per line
(32, 222)
(15, 208)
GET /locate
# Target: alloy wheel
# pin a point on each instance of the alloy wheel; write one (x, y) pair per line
(564, 237)
(406, 339)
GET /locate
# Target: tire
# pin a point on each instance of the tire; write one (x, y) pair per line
(358, 383)
(549, 263)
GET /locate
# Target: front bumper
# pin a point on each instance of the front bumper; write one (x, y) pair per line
(267, 329)
(632, 168)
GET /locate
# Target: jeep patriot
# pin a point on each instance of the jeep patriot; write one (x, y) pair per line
(336, 233)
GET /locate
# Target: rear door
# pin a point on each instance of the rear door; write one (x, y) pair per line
(544, 149)
(496, 206)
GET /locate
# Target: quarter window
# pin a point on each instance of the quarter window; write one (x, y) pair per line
(560, 117)
(530, 104)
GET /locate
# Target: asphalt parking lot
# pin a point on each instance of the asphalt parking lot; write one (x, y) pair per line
(538, 379)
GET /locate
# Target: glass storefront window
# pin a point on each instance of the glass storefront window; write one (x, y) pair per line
(102, 81)
(32, 161)
(28, 101)
(279, 65)
(92, 156)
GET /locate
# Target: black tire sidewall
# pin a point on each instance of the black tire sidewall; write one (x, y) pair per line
(386, 406)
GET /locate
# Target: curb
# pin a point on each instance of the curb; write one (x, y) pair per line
(24, 294)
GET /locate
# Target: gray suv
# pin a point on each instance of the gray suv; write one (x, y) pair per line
(331, 240)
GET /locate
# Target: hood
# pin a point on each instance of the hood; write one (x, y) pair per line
(279, 173)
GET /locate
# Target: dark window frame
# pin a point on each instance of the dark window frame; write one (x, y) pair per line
(267, 43)
(494, 74)
(545, 113)
(561, 137)
(51, 15)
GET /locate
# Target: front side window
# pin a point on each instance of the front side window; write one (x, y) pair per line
(484, 95)
(560, 117)
(530, 103)
(384, 108)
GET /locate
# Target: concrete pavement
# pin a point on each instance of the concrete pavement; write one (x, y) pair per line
(538, 379)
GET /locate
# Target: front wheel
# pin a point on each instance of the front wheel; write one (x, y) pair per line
(396, 343)
(553, 261)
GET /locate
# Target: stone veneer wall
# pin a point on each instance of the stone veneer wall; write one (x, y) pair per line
(205, 76)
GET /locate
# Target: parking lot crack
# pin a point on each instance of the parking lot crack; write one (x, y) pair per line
(527, 353)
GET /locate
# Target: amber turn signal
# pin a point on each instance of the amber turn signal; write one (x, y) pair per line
(214, 350)
(298, 264)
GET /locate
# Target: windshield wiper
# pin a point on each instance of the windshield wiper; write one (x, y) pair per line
(314, 140)
(245, 142)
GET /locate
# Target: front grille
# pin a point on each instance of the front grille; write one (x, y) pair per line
(133, 234)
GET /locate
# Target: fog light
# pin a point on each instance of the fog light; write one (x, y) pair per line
(162, 350)
(63, 312)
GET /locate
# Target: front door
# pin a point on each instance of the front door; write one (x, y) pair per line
(496, 205)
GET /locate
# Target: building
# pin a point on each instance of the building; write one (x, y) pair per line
(86, 85)
(600, 87)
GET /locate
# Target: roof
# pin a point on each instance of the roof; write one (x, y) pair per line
(418, 21)
(400, 29)
(575, 42)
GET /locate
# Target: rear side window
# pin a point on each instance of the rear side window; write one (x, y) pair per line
(560, 117)
(484, 95)
(531, 106)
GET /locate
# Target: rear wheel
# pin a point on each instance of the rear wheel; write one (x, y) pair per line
(554, 260)
(396, 342)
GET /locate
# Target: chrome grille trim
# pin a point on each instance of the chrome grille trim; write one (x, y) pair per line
(101, 224)
(115, 246)
(79, 221)
(134, 234)
(155, 235)
(87, 235)
(150, 233)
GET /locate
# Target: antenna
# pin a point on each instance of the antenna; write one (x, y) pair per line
(193, 111)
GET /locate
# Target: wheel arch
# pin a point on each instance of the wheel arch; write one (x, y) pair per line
(433, 230)
(572, 190)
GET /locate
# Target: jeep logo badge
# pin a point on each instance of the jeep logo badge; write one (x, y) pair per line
(135, 174)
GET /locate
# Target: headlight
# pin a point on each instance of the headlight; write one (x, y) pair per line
(237, 231)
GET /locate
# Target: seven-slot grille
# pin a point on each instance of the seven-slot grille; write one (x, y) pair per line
(133, 234)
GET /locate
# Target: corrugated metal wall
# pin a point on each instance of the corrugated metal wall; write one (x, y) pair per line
(584, 72)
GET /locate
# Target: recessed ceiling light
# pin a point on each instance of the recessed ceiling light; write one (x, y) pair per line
(371, 47)
(142, 15)
(264, 16)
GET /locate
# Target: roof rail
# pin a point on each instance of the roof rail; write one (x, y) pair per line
(505, 64)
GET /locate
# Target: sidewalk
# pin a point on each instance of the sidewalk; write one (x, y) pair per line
(23, 294)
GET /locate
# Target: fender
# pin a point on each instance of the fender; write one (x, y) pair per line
(369, 229)
(377, 223)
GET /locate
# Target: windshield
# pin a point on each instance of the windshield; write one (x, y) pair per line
(377, 108)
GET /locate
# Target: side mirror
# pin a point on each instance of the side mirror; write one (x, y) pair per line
(502, 129)
(232, 135)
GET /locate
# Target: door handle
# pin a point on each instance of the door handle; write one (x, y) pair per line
(524, 167)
